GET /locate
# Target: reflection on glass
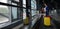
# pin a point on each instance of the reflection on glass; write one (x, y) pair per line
(24, 1)
(33, 6)
(4, 1)
(33, 12)
(14, 4)
(24, 13)
(24, 5)
(24, 10)
(4, 11)
(17, 0)
(14, 14)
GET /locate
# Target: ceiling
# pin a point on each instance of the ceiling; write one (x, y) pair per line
(51, 3)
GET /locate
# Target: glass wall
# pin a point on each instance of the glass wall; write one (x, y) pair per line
(24, 10)
(34, 12)
(14, 12)
(9, 13)
(24, 13)
(33, 7)
(4, 1)
(16, 0)
(4, 12)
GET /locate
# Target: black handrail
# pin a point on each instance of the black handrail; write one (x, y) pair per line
(6, 4)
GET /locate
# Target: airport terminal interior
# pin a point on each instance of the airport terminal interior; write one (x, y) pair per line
(29, 14)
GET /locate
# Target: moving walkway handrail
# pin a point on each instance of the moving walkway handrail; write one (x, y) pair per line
(3, 15)
(6, 4)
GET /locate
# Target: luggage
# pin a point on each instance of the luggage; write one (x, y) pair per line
(47, 21)
(26, 21)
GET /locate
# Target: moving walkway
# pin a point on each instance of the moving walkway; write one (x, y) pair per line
(40, 25)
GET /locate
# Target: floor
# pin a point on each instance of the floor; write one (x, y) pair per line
(18, 27)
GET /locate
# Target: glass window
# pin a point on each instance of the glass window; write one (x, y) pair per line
(17, 0)
(33, 12)
(4, 1)
(24, 10)
(24, 3)
(33, 4)
(33, 7)
(14, 4)
(9, 2)
(4, 14)
(14, 12)
(24, 13)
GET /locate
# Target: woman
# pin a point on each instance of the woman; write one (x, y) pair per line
(46, 9)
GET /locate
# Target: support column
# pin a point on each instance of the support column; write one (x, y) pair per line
(28, 11)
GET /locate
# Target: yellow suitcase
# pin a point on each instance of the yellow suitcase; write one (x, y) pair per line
(47, 21)
(26, 21)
